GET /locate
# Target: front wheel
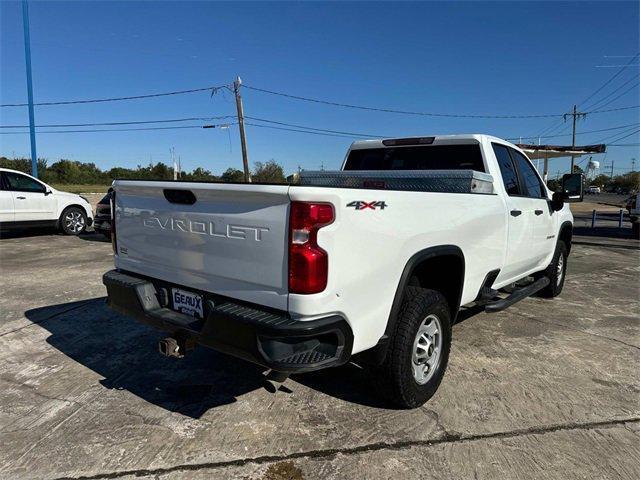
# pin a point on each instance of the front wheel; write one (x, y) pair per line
(556, 272)
(73, 221)
(418, 351)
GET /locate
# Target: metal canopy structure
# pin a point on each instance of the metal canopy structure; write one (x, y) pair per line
(536, 152)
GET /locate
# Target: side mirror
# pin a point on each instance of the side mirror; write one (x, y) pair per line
(571, 191)
(572, 188)
(47, 192)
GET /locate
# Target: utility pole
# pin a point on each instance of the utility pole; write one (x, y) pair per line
(612, 169)
(633, 164)
(575, 116)
(243, 137)
(27, 57)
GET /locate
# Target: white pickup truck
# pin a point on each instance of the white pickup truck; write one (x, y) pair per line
(371, 263)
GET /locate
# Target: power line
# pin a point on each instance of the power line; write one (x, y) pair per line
(605, 139)
(117, 99)
(203, 119)
(626, 136)
(599, 89)
(610, 79)
(617, 97)
(51, 125)
(300, 131)
(316, 129)
(119, 129)
(427, 114)
(389, 110)
(613, 92)
(578, 133)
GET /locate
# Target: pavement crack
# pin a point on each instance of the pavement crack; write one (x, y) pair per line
(372, 447)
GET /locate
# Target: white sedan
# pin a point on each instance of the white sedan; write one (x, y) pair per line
(26, 202)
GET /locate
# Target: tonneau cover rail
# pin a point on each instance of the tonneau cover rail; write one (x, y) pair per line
(444, 181)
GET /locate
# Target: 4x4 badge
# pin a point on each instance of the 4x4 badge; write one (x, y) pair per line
(360, 205)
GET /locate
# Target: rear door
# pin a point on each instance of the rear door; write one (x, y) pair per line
(31, 203)
(519, 258)
(542, 221)
(229, 239)
(7, 214)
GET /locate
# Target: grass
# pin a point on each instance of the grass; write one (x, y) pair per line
(81, 188)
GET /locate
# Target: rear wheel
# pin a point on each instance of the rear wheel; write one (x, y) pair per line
(555, 272)
(73, 221)
(418, 351)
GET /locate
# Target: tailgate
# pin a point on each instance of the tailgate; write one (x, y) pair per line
(232, 241)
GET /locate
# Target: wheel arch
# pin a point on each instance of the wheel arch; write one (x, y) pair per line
(565, 234)
(416, 273)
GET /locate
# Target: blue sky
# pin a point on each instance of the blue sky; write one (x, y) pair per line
(462, 58)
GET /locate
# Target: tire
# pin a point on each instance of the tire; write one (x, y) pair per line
(556, 272)
(397, 379)
(73, 221)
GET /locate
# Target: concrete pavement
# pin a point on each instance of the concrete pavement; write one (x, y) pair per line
(546, 389)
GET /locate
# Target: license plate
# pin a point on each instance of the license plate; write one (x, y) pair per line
(187, 302)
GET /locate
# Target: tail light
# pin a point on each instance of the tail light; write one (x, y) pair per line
(308, 263)
(112, 202)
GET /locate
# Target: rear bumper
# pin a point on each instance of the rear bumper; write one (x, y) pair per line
(262, 336)
(102, 223)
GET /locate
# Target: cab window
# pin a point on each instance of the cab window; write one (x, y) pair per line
(530, 182)
(424, 157)
(22, 183)
(507, 169)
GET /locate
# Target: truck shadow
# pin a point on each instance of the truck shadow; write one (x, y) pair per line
(125, 354)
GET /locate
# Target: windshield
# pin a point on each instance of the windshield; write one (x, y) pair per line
(424, 157)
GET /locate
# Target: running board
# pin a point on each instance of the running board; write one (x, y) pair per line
(516, 296)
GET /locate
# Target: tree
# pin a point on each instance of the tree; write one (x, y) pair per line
(200, 174)
(629, 182)
(554, 185)
(601, 180)
(232, 175)
(160, 171)
(24, 165)
(270, 172)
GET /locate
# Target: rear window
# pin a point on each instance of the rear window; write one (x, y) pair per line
(424, 157)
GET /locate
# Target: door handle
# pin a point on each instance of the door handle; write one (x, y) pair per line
(21, 198)
(538, 212)
(515, 213)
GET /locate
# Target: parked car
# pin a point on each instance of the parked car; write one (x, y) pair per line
(102, 220)
(27, 202)
(372, 262)
(593, 189)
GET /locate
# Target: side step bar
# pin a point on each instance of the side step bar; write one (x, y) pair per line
(516, 296)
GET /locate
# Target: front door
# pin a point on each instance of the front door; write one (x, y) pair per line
(30, 199)
(6, 202)
(519, 256)
(543, 240)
